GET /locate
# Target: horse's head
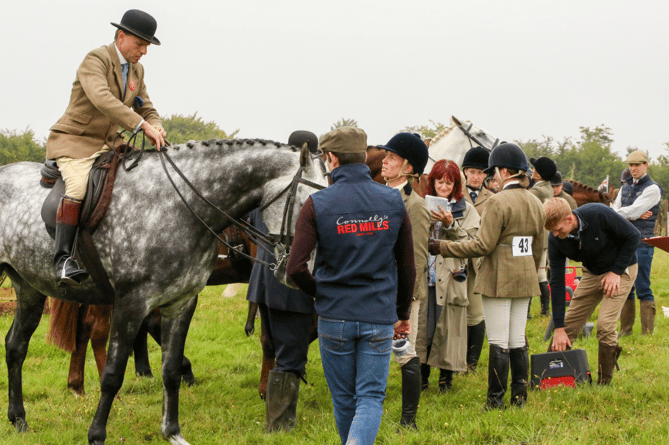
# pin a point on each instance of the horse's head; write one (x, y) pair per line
(456, 140)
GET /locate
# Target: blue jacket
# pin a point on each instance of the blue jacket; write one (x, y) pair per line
(265, 288)
(605, 242)
(356, 223)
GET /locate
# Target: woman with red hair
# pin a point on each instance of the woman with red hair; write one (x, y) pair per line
(442, 322)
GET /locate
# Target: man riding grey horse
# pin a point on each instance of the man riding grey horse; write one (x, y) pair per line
(108, 92)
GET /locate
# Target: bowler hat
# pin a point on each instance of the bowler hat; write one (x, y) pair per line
(545, 167)
(345, 140)
(300, 137)
(556, 179)
(140, 24)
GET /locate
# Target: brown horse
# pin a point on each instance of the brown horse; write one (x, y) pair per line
(584, 194)
(92, 322)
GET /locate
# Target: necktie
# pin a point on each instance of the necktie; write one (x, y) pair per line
(124, 67)
(473, 196)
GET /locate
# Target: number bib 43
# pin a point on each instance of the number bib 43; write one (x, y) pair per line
(522, 245)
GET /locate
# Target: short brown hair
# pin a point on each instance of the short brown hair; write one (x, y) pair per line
(556, 210)
(349, 158)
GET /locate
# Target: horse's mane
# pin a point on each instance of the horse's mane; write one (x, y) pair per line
(443, 133)
(583, 186)
(233, 142)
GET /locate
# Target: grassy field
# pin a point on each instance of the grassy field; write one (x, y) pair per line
(224, 407)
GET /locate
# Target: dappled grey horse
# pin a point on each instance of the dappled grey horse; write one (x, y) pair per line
(156, 252)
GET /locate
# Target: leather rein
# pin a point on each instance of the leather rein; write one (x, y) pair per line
(259, 238)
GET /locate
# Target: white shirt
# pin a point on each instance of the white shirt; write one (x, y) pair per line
(649, 198)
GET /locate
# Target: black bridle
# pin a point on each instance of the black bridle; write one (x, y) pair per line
(471, 137)
(280, 242)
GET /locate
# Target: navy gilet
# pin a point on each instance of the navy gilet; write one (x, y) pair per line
(357, 225)
(629, 193)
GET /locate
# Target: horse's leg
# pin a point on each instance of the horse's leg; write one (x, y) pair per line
(142, 365)
(29, 307)
(99, 318)
(249, 327)
(154, 328)
(125, 323)
(75, 378)
(268, 359)
(175, 323)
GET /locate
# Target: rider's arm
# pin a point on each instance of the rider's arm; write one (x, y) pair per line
(300, 252)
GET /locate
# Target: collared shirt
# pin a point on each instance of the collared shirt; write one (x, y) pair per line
(510, 183)
(649, 197)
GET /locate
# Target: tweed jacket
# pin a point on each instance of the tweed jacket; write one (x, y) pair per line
(513, 212)
(568, 198)
(542, 190)
(419, 216)
(96, 108)
(481, 199)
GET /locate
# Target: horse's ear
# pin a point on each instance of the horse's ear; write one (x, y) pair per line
(456, 121)
(305, 155)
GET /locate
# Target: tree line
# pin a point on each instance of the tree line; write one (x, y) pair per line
(588, 159)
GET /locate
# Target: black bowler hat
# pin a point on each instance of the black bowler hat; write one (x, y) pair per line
(545, 167)
(140, 24)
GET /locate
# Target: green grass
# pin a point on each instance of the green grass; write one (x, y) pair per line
(224, 407)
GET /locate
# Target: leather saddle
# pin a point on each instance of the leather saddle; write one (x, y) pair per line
(98, 194)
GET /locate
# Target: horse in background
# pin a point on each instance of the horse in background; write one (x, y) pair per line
(452, 143)
(136, 243)
(584, 194)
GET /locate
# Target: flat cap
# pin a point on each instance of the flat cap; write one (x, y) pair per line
(345, 140)
(637, 157)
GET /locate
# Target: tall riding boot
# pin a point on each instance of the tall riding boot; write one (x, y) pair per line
(425, 375)
(475, 336)
(545, 297)
(608, 359)
(445, 380)
(411, 389)
(67, 219)
(647, 316)
(529, 306)
(520, 364)
(627, 318)
(281, 400)
(498, 374)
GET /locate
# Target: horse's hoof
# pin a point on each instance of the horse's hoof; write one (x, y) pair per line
(177, 439)
(21, 425)
(189, 380)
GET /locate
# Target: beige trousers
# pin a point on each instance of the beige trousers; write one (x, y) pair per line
(587, 296)
(413, 320)
(75, 173)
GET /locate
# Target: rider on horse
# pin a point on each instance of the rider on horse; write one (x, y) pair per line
(108, 92)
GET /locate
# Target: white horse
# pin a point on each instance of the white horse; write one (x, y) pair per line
(456, 140)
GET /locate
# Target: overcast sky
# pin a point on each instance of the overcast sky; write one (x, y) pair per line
(519, 69)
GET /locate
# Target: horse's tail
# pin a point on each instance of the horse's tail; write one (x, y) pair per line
(63, 324)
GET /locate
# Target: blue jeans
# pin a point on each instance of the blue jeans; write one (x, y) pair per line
(644, 254)
(356, 359)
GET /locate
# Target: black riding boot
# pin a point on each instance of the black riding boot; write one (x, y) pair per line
(445, 380)
(520, 363)
(411, 389)
(529, 306)
(68, 271)
(498, 374)
(281, 400)
(545, 297)
(475, 336)
(425, 376)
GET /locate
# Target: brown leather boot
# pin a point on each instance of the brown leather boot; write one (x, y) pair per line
(68, 271)
(647, 316)
(627, 318)
(608, 359)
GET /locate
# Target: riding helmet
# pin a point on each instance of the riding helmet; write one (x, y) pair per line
(300, 137)
(545, 167)
(476, 157)
(507, 155)
(556, 179)
(411, 147)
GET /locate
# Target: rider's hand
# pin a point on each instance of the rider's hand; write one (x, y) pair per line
(156, 137)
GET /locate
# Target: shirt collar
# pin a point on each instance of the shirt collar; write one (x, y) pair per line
(401, 186)
(579, 229)
(510, 183)
(120, 56)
